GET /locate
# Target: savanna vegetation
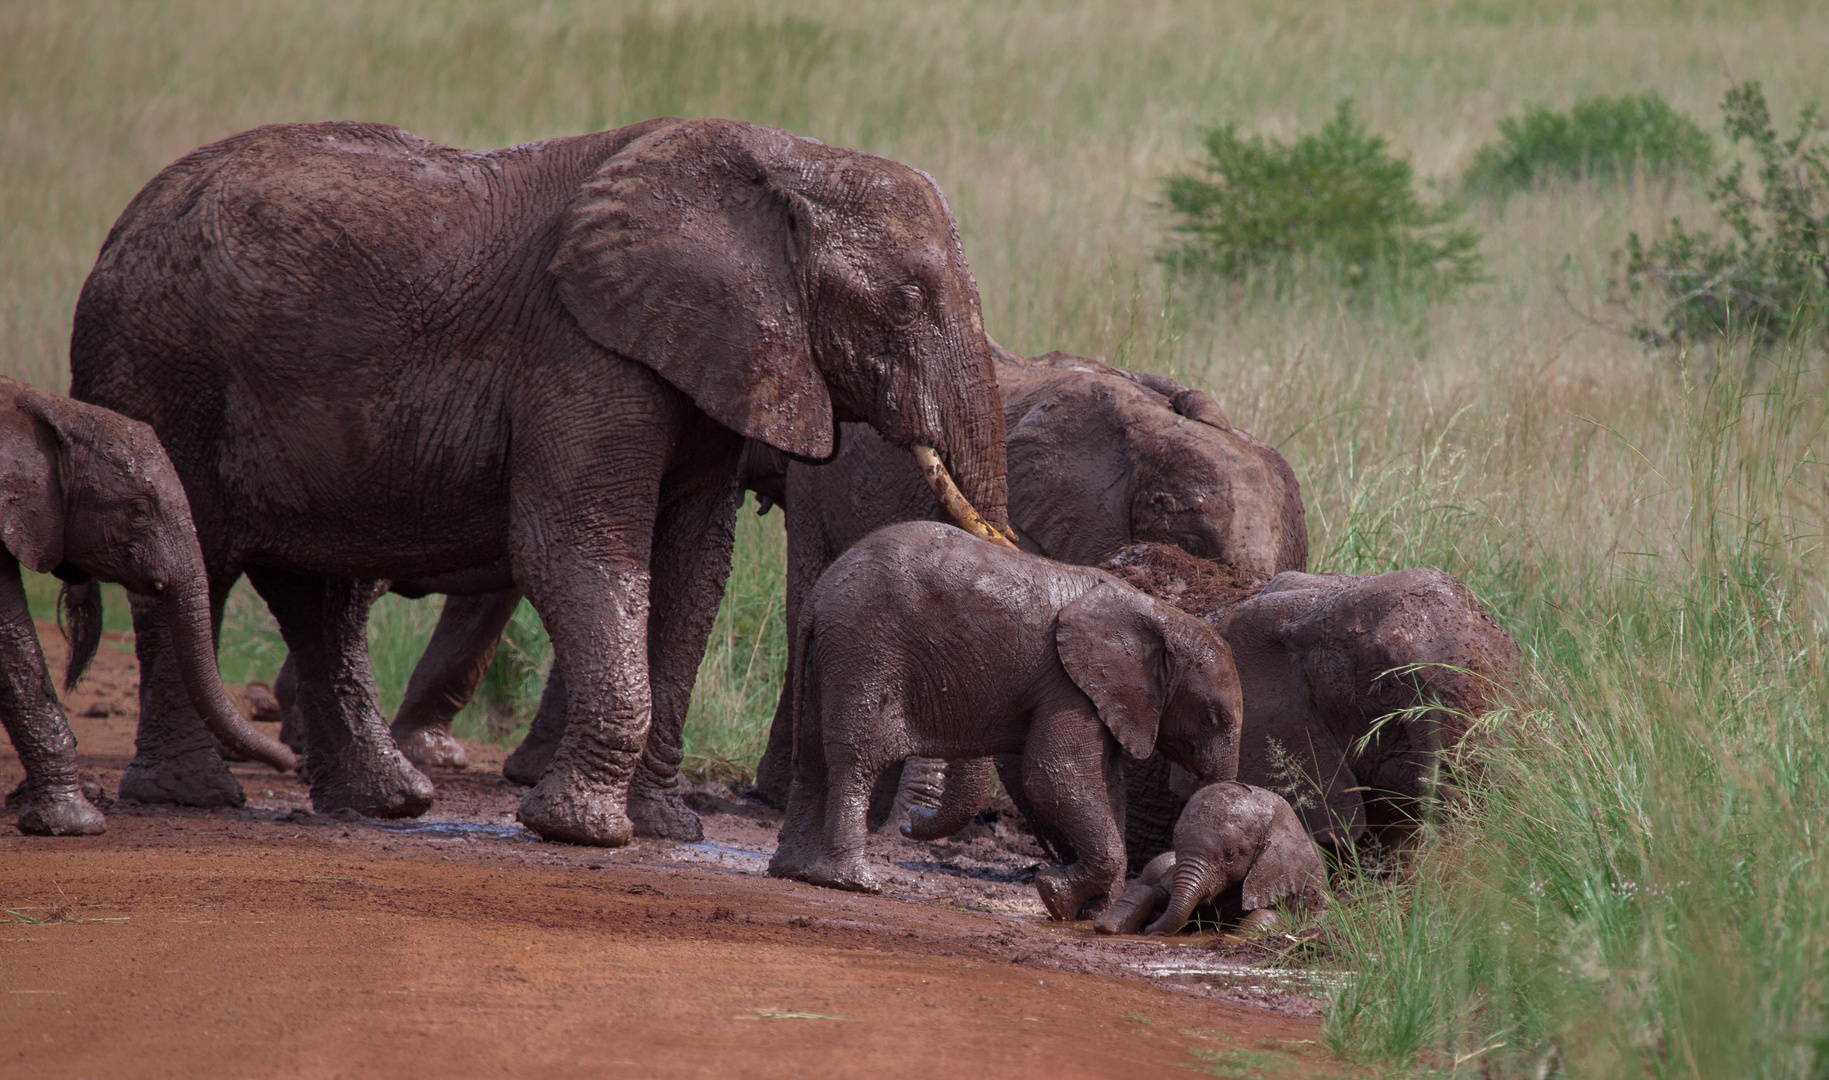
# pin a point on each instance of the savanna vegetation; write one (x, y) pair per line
(1634, 888)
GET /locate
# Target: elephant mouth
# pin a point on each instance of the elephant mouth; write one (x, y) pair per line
(933, 470)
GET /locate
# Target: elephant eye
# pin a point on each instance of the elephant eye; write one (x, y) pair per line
(906, 303)
(140, 511)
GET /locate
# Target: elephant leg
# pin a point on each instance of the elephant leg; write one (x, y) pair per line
(1052, 841)
(175, 759)
(802, 834)
(534, 756)
(849, 776)
(35, 722)
(775, 771)
(693, 539)
(350, 759)
(1068, 777)
(809, 552)
(445, 678)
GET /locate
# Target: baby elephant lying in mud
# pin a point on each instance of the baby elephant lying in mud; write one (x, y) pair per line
(924, 640)
(89, 494)
(1238, 847)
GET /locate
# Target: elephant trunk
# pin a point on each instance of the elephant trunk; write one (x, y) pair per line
(187, 609)
(967, 782)
(1186, 891)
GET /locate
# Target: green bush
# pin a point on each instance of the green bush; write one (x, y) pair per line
(1336, 197)
(1603, 138)
(1769, 280)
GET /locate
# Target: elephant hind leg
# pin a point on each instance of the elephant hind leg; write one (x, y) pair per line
(445, 678)
(350, 757)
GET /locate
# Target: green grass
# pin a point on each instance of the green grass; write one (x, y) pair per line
(1636, 891)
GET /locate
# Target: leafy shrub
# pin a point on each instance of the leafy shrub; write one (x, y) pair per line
(1336, 196)
(1599, 137)
(1769, 279)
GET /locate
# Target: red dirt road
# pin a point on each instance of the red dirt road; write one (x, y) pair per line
(246, 943)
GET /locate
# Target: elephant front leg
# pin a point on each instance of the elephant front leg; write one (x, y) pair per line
(35, 722)
(1067, 777)
(693, 539)
(597, 616)
(446, 676)
(350, 757)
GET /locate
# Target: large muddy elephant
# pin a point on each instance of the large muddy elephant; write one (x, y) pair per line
(373, 357)
(90, 496)
(1099, 458)
(923, 640)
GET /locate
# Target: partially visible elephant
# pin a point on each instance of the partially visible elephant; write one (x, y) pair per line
(373, 357)
(1399, 662)
(923, 640)
(90, 496)
(1099, 458)
(1238, 848)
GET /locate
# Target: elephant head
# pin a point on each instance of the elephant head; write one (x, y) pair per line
(90, 494)
(1237, 846)
(786, 286)
(1160, 679)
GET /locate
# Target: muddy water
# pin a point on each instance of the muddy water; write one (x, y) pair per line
(270, 941)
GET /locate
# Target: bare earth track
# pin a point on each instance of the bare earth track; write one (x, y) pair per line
(269, 941)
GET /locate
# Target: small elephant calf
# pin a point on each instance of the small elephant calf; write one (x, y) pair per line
(924, 640)
(1238, 846)
(89, 495)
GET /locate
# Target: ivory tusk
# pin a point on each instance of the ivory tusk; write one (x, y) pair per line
(955, 501)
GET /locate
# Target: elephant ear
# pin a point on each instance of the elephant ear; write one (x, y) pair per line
(1287, 866)
(684, 251)
(32, 482)
(1112, 645)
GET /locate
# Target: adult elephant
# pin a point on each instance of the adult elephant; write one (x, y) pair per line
(1099, 458)
(373, 357)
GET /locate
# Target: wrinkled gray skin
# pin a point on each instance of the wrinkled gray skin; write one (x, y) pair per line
(1322, 658)
(90, 495)
(924, 640)
(1098, 458)
(1237, 847)
(371, 358)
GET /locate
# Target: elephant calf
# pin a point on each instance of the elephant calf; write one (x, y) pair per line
(1236, 846)
(90, 495)
(924, 640)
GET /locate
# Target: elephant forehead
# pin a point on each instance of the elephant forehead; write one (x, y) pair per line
(1232, 807)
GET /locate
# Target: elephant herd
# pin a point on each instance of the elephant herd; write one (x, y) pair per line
(340, 359)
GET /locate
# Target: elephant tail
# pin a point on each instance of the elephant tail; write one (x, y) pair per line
(967, 782)
(79, 616)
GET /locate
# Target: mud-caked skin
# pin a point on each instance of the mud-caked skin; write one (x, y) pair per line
(1099, 457)
(90, 495)
(374, 358)
(923, 640)
(1322, 659)
(1237, 847)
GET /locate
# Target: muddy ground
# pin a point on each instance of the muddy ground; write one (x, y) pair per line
(269, 941)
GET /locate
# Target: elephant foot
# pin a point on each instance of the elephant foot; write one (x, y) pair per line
(657, 809)
(570, 812)
(1062, 895)
(841, 873)
(531, 759)
(61, 811)
(1260, 919)
(380, 783)
(193, 778)
(430, 746)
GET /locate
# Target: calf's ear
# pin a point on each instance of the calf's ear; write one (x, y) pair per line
(1111, 642)
(1288, 866)
(35, 456)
